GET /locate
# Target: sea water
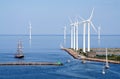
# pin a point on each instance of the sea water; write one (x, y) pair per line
(46, 48)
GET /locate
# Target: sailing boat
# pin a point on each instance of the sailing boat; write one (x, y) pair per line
(19, 53)
(61, 46)
(106, 64)
(103, 71)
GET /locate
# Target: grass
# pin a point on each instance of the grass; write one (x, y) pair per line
(110, 57)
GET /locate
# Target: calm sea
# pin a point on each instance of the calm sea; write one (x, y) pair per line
(47, 48)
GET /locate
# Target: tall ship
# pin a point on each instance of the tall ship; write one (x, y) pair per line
(19, 53)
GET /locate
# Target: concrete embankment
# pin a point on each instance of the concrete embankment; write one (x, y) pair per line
(71, 52)
(31, 63)
(77, 56)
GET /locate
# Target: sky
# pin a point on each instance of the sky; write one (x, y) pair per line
(50, 16)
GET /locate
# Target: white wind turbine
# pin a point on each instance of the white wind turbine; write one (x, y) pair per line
(88, 22)
(64, 36)
(84, 32)
(99, 29)
(72, 34)
(76, 32)
(30, 31)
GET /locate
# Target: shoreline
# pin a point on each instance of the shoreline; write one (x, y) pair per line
(75, 55)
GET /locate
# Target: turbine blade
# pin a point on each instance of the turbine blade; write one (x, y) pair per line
(93, 27)
(76, 18)
(81, 18)
(70, 20)
(91, 14)
(80, 23)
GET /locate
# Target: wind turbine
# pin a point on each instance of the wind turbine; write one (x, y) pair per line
(89, 23)
(99, 28)
(72, 34)
(30, 31)
(76, 32)
(64, 36)
(84, 34)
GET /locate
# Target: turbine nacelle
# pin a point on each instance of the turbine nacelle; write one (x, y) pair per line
(88, 21)
(72, 24)
(76, 23)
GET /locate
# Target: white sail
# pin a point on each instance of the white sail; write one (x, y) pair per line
(106, 65)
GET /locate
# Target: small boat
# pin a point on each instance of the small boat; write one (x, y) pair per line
(61, 46)
(83, 61)
(68, 61)
(19, 53)
(106, 64)
(103, 71)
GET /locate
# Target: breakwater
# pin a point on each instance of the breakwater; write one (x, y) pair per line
(77, 56)
(31, 63)
(71, 52)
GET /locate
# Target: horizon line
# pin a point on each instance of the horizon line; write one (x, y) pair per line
(55, 34)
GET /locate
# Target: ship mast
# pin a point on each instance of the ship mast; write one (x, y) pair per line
(19, 49)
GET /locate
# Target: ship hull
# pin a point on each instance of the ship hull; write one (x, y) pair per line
(19, 56)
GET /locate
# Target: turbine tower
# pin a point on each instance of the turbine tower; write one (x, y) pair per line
(72, 34)
(76, 32)
(74, 29)
(84, 34)
(99, 28)
(30, 31)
